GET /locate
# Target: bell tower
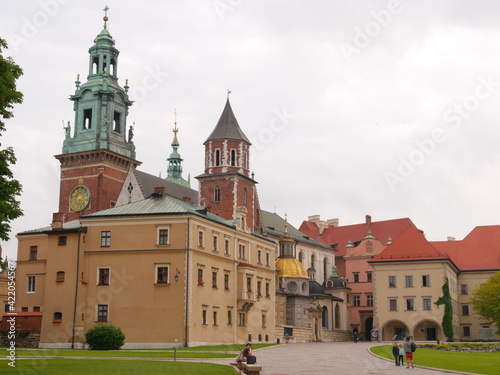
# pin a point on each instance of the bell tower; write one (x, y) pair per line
(226, 186)
(97, 155)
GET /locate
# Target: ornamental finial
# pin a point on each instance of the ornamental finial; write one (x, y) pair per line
(105, 18)
(228, 92)
(175, 121)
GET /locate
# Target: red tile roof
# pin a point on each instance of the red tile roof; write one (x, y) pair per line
(381, 230)
(479, 250)
(410, 245)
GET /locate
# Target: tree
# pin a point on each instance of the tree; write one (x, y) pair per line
(9, 187)
(445, 300)
(485, 300)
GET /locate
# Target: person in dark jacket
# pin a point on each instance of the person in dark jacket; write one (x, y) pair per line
(395, 353)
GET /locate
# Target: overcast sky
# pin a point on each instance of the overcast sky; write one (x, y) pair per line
(387, 108)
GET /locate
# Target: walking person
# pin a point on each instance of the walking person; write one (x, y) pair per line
(395, 353)
(409, 346)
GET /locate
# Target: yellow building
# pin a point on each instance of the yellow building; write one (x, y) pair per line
(166, 272)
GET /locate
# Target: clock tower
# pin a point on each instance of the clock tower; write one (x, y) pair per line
(98, 152)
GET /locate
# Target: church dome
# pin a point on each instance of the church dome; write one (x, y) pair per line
(315, 288)
(290, 267)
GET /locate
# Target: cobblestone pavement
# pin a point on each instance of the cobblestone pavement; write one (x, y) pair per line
(322, 358)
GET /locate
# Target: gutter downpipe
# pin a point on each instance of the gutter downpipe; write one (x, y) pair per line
(187, 283)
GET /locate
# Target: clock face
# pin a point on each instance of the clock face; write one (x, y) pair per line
(292, 286)
(79, 198)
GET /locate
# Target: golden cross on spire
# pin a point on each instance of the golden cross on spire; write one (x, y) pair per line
(105, 18)
(175, 120)
(228, 92)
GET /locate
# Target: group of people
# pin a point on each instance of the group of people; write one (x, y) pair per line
(405, 349)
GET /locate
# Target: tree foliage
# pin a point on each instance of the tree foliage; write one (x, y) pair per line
(445, 300)
(105, 337)
(9, 187)
(485, 300)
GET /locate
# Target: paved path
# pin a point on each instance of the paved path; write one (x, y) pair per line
(339, 358)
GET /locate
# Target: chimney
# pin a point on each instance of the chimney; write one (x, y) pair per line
(186, 199)
(451, 238)
(314, 218)
(57, 220)
(159, 191)
(368, 220)
(333, 222)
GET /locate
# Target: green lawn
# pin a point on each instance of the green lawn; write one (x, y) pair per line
(110, 367)
(479, 363)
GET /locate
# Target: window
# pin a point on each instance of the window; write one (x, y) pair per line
(215, 241)
(264, 320)
(33, 252)
(200, 239)
(356, 300)
(163, 237)
(249, 284)
(57, 316)
(426, 280)
(245, 196)
(368, 277)
(24, 309)
(464, 289)
(117, 122)
(162, 274)
(466, 330)
(87, 119)
(259, 257)
(427, 303)
(31, 284)
(216, 194)
(393, 305)
(105, 238)
(62, 240)
(267, 290)
(241, 251)
(233, 158)
(36, 308)
(226, 246)
(102, 313)
(103, 276)
(392, 281)
(60, 276)
(204, 317)
(215, 318)
(229, 317)
(355, 277)
(259, 288)
(200, 276)
(241, 319)
(217, 157)
(267, 259)
(465, 309)
(408, 281)
(369, 300)
(214, 279)
(226, 281)
(409, 304)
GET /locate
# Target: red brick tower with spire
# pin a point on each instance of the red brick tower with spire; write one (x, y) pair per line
(226, 187)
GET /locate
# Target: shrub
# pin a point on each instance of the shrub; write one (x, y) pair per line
(104, 337)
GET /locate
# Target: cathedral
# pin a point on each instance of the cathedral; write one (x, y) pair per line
(169, 265)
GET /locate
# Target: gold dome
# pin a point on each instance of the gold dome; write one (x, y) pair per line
(290, 267)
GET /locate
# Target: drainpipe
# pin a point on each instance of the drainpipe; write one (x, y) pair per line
(80, 231)
(186, 323)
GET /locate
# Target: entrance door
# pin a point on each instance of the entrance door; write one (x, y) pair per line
(368, 328)
(430, 334)
(400, 333)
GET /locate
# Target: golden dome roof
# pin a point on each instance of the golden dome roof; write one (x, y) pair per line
(290, 267)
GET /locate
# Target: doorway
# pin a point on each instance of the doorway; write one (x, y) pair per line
(430, 334)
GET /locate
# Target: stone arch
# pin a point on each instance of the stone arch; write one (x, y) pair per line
(394, 329)
(427, 330)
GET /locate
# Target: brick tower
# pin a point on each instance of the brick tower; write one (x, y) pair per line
(226, 187)
(96, 158)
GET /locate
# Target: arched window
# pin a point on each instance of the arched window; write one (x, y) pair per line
(95, 65)
(233, 158)
(337, 316)
(217, 157)
(217, 194)
(324, 318)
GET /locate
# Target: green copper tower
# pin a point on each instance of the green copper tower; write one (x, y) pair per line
(174, 171)
(101, 104)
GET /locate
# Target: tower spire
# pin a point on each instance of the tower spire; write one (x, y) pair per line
(174, 171)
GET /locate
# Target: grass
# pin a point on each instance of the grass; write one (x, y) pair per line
(110, 367)
(478, 363)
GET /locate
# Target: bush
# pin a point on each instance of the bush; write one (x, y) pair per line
(104, 337)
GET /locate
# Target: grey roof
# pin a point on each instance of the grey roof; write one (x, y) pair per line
(149, 182)
(275, 226)
(155, 206)
(70, 225)
(227, 127)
